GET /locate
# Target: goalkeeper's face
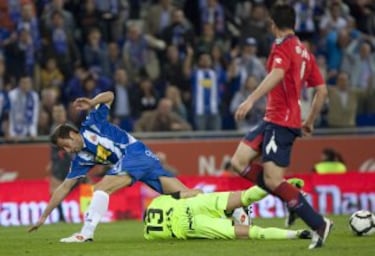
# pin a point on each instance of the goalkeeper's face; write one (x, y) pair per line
(73, 144)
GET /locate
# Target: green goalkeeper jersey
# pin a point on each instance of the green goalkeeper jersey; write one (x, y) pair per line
(162, 218)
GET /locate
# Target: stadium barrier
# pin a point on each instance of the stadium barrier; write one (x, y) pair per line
(205, 156)
(22, 202)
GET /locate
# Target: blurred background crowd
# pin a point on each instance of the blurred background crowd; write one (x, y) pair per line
(173, 65)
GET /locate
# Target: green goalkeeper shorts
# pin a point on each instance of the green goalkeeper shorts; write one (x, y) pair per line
(206, 217)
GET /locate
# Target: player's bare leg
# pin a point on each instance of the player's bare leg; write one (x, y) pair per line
(98, 207)
(172, 185)
(242, 157)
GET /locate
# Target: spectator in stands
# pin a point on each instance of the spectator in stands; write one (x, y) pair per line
(60, 45)
(361, 67)
(205, 91)
(123, 16)
(89, 17)
(342, 103)
(161, 119)
(20, 54)
(364, 13)
(48, 99)
(29, 20)
(213, 13)
(24, 110)
(139, 58)
(179, 33)
(338, 43)
(95, 52)
(114, 58)
(74, 84)
(178, 107)
(44, 122)
(220, 65)
(207, 40)
(248, 64)
(122, 105)
(57, 6)
(173, 73)
(6, 24)
(331, 162)
(159, 17)
(351, 26)
(332, 20)
(51, 76)
(256, 26)
(145, 98)
(109, 14)
(258, 109)
(91, 87)
(305, 24)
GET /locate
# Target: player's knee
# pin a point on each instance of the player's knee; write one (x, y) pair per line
(237, 165)
(104, 188)
(271, 182)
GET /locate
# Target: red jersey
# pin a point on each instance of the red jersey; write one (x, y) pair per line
(283, 101)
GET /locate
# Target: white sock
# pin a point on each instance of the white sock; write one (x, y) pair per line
(98, 207)
(292, 234)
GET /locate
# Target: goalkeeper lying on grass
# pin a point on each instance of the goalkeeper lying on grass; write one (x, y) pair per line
(194, 215)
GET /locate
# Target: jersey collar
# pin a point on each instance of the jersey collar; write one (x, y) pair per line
(280, 40)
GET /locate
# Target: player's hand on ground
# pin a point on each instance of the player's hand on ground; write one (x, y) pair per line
(37, 225)
(82, 104)
(243, 109)
(307, 129)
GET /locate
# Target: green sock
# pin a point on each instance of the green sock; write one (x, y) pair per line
(256, 232)
(255, 193)
(252, 194)
(299, 183)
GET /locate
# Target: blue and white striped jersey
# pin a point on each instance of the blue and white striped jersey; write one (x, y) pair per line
(104, 143)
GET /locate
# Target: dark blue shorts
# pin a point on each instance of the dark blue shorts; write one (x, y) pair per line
(141, 165)
(273, 141)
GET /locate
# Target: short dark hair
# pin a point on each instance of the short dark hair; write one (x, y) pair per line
(283, 16)
(62, 132)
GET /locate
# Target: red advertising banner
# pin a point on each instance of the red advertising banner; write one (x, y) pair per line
(22, 202)
(206, 156)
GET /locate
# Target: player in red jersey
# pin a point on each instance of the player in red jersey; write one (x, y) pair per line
(290, 66)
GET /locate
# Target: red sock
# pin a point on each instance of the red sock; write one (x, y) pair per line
(288, 193)
(252, 172)
(297, 202)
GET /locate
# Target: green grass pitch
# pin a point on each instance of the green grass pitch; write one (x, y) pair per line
(125, 238)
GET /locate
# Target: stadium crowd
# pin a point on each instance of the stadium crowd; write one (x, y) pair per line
(173, 65)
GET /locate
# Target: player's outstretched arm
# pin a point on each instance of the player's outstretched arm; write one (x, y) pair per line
(104, 97)
(87, 103)
(269, 82)
(60, 193)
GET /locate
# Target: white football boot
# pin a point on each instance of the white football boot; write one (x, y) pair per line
(76, 238)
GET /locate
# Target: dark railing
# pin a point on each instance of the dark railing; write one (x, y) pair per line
(214, 134)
